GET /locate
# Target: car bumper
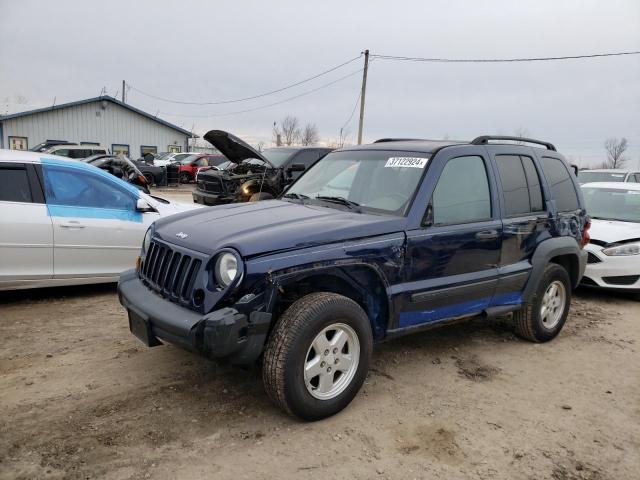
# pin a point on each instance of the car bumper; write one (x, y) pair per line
(615, 273)
(204, 198)
(237, 334)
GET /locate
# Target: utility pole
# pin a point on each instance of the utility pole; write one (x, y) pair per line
(362, 94)
(123, 90)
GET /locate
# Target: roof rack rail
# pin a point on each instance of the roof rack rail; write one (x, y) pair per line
(385, 140)
(484, 140)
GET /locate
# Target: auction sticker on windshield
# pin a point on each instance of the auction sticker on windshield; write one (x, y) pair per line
(406, 162)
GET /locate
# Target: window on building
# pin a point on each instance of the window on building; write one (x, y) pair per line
(562, 188)
(14, 185)
(18, 143)
(462, 193)
(144, 149)
(90, 143)
(174, 148)
(120, 149)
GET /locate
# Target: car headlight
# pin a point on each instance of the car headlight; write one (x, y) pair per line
(146, 241)
(226, 269)
(623, 250)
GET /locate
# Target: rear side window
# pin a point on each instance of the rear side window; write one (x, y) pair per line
(14, 185)
(462, 193)
(562, 189)
(520, 184)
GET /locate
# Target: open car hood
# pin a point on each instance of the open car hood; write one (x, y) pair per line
(232, 147)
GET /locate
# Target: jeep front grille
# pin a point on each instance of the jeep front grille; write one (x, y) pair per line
(170, 273)
(210, 185)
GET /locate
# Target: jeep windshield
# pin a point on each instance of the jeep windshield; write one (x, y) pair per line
(370, 181)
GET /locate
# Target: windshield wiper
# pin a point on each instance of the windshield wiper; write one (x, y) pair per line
(297, 196)
(340, 200)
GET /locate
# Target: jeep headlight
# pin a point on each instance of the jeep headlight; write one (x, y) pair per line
(623, 250)
(226, 269)
(146, 241)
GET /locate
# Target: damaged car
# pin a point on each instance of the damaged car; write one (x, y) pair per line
(257, 176)
(372, 242)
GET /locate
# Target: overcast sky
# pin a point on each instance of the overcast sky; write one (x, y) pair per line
(217, 50)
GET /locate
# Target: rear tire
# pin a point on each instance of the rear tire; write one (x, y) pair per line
(185, 177)
(542, 319)
(256, 197)
(317, 356)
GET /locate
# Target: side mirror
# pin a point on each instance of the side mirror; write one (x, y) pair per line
(297, 167)
(143, 206)
(575, 169)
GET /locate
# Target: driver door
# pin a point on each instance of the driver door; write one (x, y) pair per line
(97, 230)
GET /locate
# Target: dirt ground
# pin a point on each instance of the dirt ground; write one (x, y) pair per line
(82, 398)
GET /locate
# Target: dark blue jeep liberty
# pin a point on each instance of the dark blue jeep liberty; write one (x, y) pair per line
(371, 242)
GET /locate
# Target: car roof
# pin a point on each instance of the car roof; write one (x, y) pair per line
(24, 156)
(614, 185)
(427, 146)
(75, 147)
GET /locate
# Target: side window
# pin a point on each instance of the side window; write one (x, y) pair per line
(520, 184)
(62, 152)
(202, 162)
(14, 185)
(514, 184)
(562, 189)
(533, 181)
(306, 157)
(462, 193)
(76, 188)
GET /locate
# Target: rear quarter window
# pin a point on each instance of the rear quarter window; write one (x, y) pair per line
(562, 189)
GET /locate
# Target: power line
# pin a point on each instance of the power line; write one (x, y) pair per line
(500, 60)
(308, 92)
(355, 106)
(236, 100)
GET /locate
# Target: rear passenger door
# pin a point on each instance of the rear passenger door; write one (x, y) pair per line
(525, 219)
(26, 231)
(452, 259)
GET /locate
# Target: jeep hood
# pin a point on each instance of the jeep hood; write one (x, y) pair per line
(256, 228)
(232, 147)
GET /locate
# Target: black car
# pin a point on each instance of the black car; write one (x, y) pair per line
(257, 176)
(372, 242)
(154, 175)
(41, 147)
(121, 167)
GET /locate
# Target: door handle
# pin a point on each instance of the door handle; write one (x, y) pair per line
(487, 235)
(72, 224)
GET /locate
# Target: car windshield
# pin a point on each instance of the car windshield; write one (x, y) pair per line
(277, 156)
(164, 156)
(588, 177)
(372, 181)
(612, 203)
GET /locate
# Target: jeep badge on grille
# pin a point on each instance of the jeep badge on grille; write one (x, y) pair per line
(182, 235)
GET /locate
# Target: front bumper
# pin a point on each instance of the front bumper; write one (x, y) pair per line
(615, 273)
(237, 333)
(205, 198)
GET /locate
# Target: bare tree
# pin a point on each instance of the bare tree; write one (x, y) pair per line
(521, 132)
(615, 151)
(290, 129)
(20, 99)
(309, 135)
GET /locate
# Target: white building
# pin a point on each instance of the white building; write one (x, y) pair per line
(103, 121)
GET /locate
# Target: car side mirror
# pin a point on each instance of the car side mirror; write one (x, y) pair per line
(575, 169)
(143, 206)
(297, 167)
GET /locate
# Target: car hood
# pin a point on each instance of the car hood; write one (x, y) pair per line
(232, 147)
(254, 228)
(613, 231)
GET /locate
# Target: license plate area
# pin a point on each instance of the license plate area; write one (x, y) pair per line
(141, 329)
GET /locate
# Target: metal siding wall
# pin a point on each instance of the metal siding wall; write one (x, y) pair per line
(78, 124)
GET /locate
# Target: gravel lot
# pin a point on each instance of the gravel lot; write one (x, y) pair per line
(82, 398)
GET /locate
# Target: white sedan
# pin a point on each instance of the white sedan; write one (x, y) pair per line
(614, 251)
(64, 222)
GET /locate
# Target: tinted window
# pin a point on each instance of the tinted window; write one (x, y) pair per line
(14, 185)
(562, 189)
(533, 181)
(71, 187)
(462, 193)
(514, 184)
(306, 158)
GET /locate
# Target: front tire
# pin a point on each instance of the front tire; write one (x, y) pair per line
(317, 356)
(185, 177)
(542, 319)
